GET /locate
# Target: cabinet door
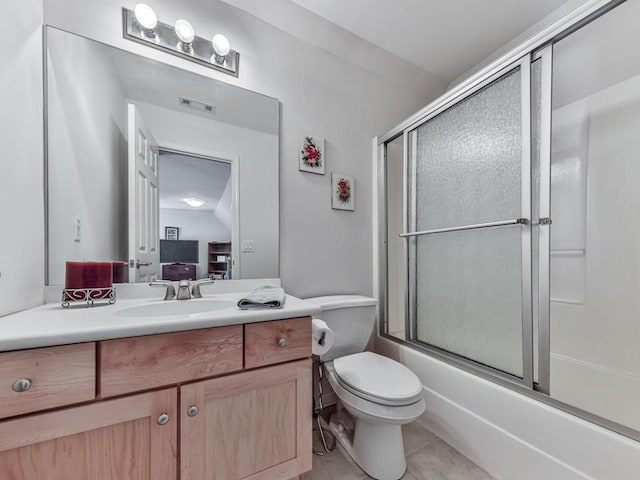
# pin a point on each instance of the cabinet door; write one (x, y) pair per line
(113, 440)
(254, 425)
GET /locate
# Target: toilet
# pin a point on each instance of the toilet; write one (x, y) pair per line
(376, 395)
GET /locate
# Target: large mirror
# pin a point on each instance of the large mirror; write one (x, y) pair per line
(171, 173)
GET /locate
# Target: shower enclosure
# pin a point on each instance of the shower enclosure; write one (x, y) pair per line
(509, 238)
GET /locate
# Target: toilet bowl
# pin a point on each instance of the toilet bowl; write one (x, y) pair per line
(376, 395)
(381, 401)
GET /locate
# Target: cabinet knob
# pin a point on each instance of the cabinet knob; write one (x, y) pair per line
(21, 385)
(282, 342)
(163, 419)
(192, 411)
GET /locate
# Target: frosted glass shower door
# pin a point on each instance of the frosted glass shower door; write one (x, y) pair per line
(470, 251)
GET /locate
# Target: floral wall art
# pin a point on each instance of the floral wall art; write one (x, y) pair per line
(342, 193)
(311, 155)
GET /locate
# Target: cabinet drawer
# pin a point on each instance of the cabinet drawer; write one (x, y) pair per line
(50, 377)
(141, 363)
(275, 342)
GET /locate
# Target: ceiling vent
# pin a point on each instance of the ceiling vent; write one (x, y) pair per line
(195, 105)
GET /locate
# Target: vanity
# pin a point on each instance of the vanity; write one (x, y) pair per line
(224, 394)
(153, 389)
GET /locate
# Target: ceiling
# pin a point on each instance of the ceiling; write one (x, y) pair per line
(184, 176)
(156, 83)
(443, 37)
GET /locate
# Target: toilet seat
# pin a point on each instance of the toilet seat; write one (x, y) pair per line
(378, 379)
(361, 407)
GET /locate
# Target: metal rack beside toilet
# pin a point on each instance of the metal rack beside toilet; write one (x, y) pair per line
(327, 447)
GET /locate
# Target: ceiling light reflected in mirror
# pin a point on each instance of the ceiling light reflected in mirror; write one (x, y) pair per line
(194, 202)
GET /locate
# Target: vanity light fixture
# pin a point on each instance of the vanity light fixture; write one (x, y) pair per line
(147, 18)
(221, 48)
(141, 25)
(186, 34)
(194, 202)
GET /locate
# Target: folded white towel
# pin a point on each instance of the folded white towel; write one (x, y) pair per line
(264, 296)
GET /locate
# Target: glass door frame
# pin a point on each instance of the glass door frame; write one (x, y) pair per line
(523, 64)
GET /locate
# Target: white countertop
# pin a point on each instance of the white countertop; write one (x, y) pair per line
(50, 324)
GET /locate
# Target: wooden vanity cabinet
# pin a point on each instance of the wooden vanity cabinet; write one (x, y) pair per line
(140, 363)
(254, 425)
(123, 439)
(204, 397)
(41, 378)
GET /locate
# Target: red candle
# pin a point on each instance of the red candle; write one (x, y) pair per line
(88, 275)
(119, 272)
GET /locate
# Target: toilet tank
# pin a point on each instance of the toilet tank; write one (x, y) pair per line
(351, 317)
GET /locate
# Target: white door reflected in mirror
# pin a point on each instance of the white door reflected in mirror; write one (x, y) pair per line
(144, 237)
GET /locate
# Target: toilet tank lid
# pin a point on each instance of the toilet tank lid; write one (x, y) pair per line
(331, 302)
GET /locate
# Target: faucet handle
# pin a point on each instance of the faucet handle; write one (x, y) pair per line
(195, 290)
(170, 292)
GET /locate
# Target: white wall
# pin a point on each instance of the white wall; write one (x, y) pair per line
(322, 250)
(87, 155)
(194, 225)
(21, 197)
(256, 152)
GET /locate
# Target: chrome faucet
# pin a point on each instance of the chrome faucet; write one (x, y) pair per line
(186, 290)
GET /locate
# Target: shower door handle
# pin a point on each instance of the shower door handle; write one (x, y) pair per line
(516, 221)
(541, 221)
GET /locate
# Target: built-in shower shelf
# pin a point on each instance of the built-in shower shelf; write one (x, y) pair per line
(569, 251)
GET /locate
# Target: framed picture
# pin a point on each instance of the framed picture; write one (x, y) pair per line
(342, 192)
(311, 155)
(172, 233)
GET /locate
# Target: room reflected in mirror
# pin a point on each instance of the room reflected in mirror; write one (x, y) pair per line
(140, 153)
(196, 211)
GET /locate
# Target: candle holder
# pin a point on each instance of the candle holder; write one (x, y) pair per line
(88, 296)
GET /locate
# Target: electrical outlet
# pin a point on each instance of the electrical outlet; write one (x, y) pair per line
(76, 229)
(248, 246)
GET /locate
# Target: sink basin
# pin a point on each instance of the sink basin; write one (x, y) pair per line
(181, 307)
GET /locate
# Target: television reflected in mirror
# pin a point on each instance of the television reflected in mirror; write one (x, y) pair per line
(135, 146)
(179, 251)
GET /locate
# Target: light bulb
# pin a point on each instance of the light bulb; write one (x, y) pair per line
(184, 31)
(220, 45)
(194, 202)
(146, 16)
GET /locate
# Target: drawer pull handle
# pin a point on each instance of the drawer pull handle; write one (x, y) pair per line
(21, 385)
(192, 411)
(163, 419)
(282, 342)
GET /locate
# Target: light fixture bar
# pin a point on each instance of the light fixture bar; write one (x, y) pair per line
(165, 39)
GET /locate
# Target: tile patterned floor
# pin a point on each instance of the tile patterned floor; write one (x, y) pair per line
(428, 458)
